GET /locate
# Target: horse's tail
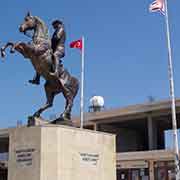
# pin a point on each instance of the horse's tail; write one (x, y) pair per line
(70, 82)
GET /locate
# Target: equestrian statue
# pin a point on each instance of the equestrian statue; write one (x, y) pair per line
(45, 55)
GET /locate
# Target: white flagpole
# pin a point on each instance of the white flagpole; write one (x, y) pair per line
(82, 86)
(173, 106)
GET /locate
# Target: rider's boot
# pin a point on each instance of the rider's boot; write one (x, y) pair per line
(56, 66)
(35, 80)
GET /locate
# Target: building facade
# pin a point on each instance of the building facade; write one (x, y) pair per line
(141, 142)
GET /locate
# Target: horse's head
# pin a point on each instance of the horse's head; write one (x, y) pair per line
(36, 24)
(28, 24)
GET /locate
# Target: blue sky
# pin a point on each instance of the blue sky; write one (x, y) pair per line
(125, 53)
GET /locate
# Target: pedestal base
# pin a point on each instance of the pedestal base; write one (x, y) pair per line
(53, 152)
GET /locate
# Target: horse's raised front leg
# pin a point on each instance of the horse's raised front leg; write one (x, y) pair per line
(3, 49)
(50, 97)
(23, 48)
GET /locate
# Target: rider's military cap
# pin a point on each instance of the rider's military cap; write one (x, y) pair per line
(57, 21)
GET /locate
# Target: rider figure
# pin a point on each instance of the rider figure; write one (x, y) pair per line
(58, 48)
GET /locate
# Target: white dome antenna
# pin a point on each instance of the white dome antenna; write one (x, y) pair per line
(96, 104)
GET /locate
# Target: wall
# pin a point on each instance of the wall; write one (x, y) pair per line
(61, 152)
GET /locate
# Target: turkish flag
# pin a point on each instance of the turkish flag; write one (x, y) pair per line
(77, 44)
(158, 5)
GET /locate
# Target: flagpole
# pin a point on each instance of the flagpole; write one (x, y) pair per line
(82, 86)
(173, 106)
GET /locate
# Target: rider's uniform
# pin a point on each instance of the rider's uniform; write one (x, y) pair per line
(58, 42)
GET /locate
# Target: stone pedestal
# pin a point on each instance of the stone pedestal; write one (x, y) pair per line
(53, 152)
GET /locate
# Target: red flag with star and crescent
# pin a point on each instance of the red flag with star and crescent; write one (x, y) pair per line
(77, 44)
(157, 5)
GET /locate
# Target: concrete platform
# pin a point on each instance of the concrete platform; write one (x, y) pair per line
(52, 152)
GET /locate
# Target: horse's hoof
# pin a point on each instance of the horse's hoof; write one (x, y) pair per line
(3, 54)
(66, 116)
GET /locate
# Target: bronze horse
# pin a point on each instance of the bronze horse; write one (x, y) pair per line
(40, 54)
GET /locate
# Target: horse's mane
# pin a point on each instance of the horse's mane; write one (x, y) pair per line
(42, 23)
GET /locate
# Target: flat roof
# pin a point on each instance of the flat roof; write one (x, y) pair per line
(4, 133)
(130, 112)
(156, 108)
(146, 155)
